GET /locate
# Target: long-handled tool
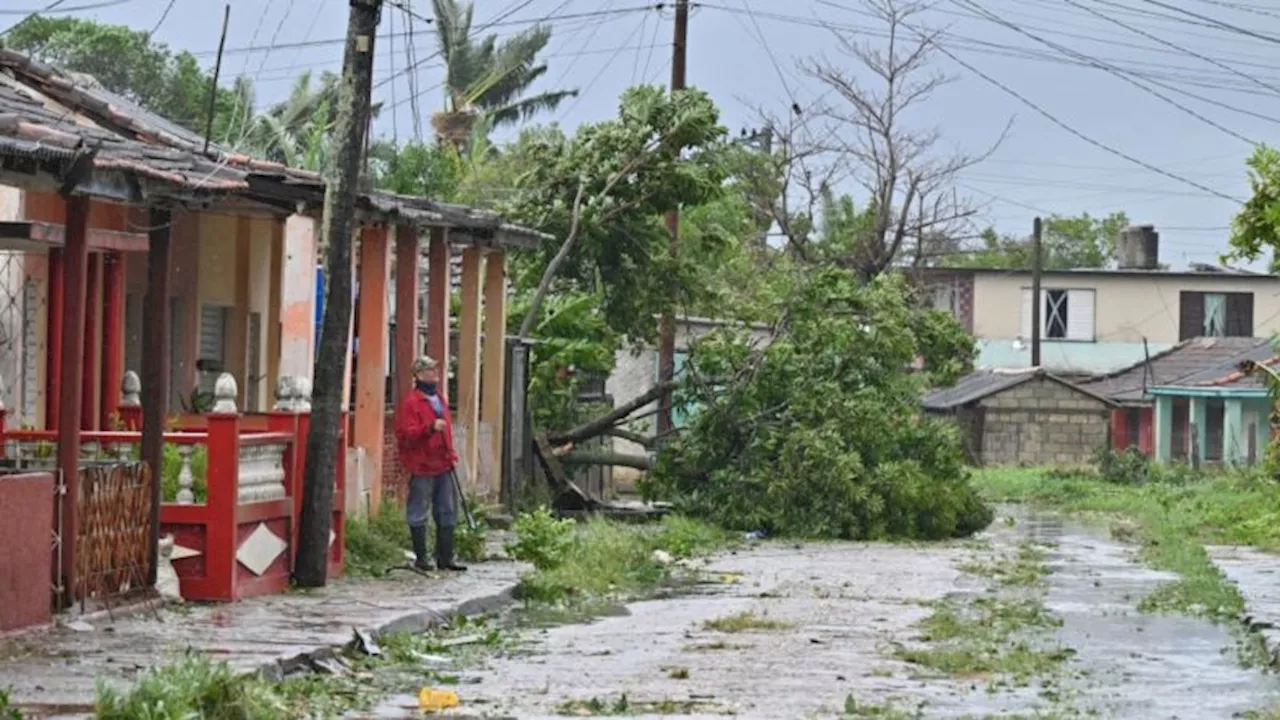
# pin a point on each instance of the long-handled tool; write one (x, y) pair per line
(462, 498)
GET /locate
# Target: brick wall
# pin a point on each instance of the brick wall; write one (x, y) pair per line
(393, 477)
(1042, 422)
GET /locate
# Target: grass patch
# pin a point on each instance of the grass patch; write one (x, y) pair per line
(580, 565)
(377, 542)
(622, 705)
(997, 635)
(745, 621)
(1173, 523)
(194, 686)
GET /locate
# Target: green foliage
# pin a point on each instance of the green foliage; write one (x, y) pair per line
(1256, 228)
(173, 468)
(542, 540)
(470, 543)
(820, 434)
(660, 153)
(130, 63)
(483, 74)
(1082, 241)
(575, 342)
(601, 560)
(192, 687)
(376, 543)
(7, 712)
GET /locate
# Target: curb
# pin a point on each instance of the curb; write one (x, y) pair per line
(416, 622)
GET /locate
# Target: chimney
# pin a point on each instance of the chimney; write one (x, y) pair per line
(1138, 248)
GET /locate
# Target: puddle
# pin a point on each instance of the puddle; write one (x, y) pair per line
(1136, 665)
(837, 612)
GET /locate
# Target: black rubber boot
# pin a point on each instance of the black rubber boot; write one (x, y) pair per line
(419, 535)
(444, 550)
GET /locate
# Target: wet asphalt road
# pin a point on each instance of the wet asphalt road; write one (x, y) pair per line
(845, 608)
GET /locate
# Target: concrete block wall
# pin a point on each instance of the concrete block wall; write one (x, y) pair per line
(1042, 422)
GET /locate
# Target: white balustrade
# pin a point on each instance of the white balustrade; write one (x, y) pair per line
(261, 472)
(186, 496)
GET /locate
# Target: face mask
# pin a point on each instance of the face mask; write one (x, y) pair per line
(428, 388)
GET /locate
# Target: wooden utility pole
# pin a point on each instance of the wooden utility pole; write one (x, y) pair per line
(1036, 270)
(341, 187)
(667, 343)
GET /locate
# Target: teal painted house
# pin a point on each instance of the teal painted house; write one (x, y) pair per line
(1227, 411)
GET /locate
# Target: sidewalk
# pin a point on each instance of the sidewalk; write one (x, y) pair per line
(1256, 576)
(53, 672)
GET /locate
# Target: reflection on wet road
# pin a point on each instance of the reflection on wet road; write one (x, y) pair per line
(790, 631)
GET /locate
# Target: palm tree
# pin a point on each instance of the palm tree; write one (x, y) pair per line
(296, 131)
(486, 78)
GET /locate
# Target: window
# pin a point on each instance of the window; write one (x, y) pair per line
(1204, 314)
(213, 345)
(1065, 314)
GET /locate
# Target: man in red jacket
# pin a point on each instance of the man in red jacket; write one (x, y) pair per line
(424, 438)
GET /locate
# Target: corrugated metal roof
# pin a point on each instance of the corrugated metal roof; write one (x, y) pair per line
(1213, 357)
(1229, 372)
(975, 386)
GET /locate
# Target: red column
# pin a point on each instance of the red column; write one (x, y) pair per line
(406, 340)
(1119, 429)
(53, 358)
(92, 338)
(222, 473)
(112, 336)
(438, 294)
(1146, 440)
(75, 270)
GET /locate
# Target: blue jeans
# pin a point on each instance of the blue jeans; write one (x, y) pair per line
(435, 491)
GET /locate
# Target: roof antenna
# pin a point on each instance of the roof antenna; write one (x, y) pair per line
(217, 70)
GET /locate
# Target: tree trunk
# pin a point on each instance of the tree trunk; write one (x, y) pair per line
(599, 457)
(312, 564)
(605, 423)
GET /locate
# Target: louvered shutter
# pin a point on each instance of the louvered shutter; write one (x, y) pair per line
(1080, 315)
(1190, 314)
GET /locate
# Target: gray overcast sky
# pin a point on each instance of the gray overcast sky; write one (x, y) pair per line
(1039, 168)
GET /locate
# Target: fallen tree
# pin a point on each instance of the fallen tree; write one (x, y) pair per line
(820, 433)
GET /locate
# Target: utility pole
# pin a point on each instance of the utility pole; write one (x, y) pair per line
(342, 184)
(667, 343)
(1036, 269)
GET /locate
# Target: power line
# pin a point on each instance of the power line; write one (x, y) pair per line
(1076, 133)
(51, 6)
(603, 68)
(1188, 51)
(501, 22)
(163, 15)
(1205, 18)
(1106, 68)
(57, 6)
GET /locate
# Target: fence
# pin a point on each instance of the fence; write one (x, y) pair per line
(231, 492)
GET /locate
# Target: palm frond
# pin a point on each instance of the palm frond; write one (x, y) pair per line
(528, 107)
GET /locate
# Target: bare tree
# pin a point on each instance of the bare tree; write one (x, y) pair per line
(860, 133)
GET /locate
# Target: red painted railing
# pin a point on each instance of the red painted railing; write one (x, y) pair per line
(240, 538)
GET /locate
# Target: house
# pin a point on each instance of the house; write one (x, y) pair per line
(1098, 321)
(1132, 389)
(1193, 403)
(1024, 416)
(105, 207)
(635, 371)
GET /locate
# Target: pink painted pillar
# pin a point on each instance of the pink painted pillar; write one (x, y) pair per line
(298, 297)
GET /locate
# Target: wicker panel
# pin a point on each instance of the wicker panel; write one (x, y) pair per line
(114, 544)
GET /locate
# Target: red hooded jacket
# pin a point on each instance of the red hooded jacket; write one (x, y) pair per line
(423, 450)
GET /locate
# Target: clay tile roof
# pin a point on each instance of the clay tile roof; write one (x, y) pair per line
(48, 117)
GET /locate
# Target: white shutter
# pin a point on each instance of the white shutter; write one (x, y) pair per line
(1024, 326)
(1080, 315)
